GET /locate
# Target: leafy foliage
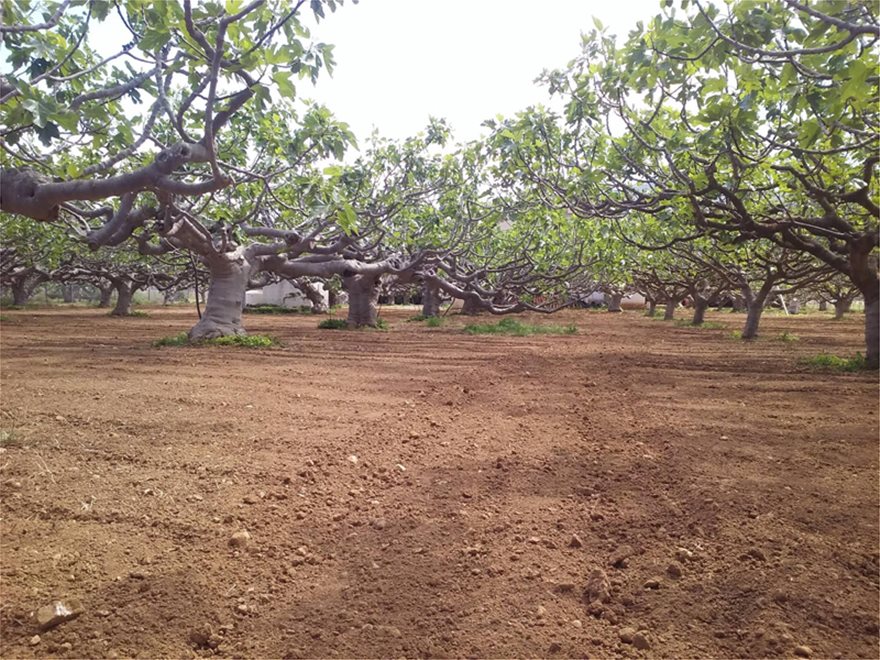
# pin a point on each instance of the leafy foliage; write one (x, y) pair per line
(828, 362)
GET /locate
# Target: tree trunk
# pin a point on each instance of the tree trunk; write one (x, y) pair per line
(669, 314)
(363, 295)
(124, 295)
(228, 285)
(21, 293)
(739, 304)
(652, 307)
(430, 299)
(332, 298)
(614, 302)
(106, 293)
(67, 293)
(471, 307)
(872, 333)
(823, 305)
(315, 296)
(700, 307)
(750, 330)
(841, 307)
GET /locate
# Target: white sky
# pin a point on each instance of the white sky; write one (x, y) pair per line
(399, 61)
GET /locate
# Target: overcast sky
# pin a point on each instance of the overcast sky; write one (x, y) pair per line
(399, 61)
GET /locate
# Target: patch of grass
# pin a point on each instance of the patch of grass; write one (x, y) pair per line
(706, 325)
(788, 337)
(5, 318)
(417, 317)
(10, 438)
(270, 309)
(518, 328)
(246, 341)
(333, 324)
(828, 362)
(382, 324)
(433, 322)
(736, 334)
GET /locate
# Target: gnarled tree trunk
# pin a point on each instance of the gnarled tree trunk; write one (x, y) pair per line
(363, 296)
(124, 295)
(614, 301)
(872, 333)
(841, 307)
(652, 306)
(671, 304)
(313, 292)
(753, 318)
(700, 307)
(229, 274)
(430, 299)
(67, 293)
(823, 305)
(471, 307)
(106, 294)
(21, 293)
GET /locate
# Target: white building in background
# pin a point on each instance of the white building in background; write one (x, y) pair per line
(283, 294)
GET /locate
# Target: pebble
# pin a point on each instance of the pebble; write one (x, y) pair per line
(577, 623)
(380, 523)
(240, 539)
(67, 646)
(35, 640)
(541, 611)
(555, 647)
(58, 612)
(626, 635)
(640, 641)
(353, 459)
(575, 542)
(803, 651)
(674, 571)
(598, 587)
(250, 499)
(652, 583)
(683, 554)
(12, 483)
(621, 555)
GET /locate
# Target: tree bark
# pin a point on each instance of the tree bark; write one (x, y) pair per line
(106, 293)
(739, 304)
(872, 333)
(21, 293)
(67, 293)
(124, 295)
(430, 299)
(471, 307)
(363, 296)
(700, 307)
(652, 307)
(229, 275)
(315, 296)
(614, 302)
(823, 305)
(841, 307)
(332, 297)
(750, 330)
(669, 314)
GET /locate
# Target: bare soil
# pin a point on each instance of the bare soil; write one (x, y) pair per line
(422, 492)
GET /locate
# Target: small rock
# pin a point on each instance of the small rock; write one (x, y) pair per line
(674, 571)
(577, 623)
(414, 435)
(240, 539)
(353, 459)
(564, 588)
(598, 587)
(683, 555)
(626, 635)
(58, 612)
(803, 651)
(35, 640)
(756, 553)
(12, 483)
(575, 542)
(555, 647)
(400, 467)
(379, 523)
(541, 611)
(640, 641)
(621, 555)
(67, 646)
(652, 583)
(250, 499)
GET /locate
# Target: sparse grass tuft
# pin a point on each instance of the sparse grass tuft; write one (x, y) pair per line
(433, 322)
(788, 337)
(736, 334)
(828, 362)
(706, 325)
(3, 317)
(10, 438)
(417, 317)
(247, 341)
(270, 309)
(382, 324)
(519, 329)
(333, 324)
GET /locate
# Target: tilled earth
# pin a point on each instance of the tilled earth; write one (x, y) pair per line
(636, 489)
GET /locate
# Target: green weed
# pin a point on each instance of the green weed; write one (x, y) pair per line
(788, 337)
(246, 341)
(828, 362)
(270, 309)
(519, 329)
(333, 324)
(434, 322)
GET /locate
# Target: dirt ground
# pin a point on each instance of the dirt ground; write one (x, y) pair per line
(637, 489)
